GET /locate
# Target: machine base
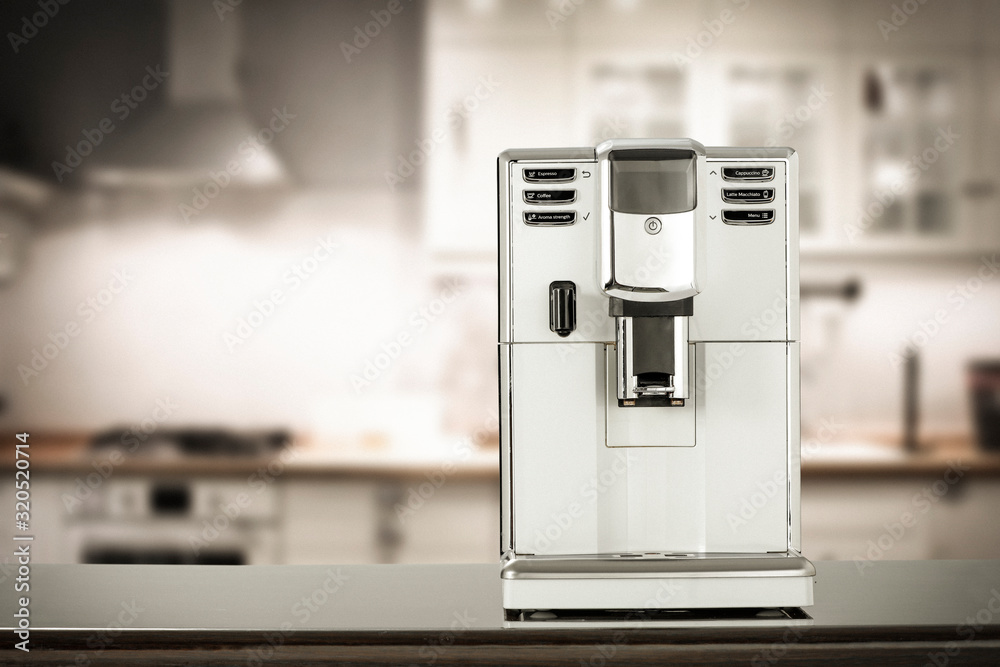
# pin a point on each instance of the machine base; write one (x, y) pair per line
(658, 582)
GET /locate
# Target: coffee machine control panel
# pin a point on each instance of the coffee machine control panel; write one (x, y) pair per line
(552, 195)
(585, 217)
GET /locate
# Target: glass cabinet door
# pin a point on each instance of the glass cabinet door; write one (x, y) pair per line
(914, 155)
(785, 102)
(634, 97)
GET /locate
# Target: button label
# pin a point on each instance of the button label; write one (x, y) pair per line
(749, 195)
(747, 217)
(748, 173)
(544, 218)
(549, 175)
(549, 196)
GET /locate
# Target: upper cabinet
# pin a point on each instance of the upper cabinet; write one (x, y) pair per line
(895, 116)
(787, 101)
(911, 154)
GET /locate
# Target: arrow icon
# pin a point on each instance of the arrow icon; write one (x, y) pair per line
(711, 172)
(586, 174)
(712, 217)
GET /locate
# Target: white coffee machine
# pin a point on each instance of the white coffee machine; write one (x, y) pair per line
(649, 378)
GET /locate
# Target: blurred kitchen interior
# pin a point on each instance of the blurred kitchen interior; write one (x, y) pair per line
(247, 257)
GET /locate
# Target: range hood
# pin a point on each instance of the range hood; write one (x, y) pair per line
(204, 127)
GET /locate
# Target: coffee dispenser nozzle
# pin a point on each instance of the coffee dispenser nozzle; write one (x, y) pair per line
(652, 261)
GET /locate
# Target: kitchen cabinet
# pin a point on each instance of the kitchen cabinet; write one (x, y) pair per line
(914, 153)
(351, 510)
(880, 27)
(420, 519)
(984, 189)
(789, 100)
(47, 519)
(965, 528)
(89, 517)
(329, 520)
(410, 521)
(871, 519)
(459, 523)
(481, 101)
(896, 129)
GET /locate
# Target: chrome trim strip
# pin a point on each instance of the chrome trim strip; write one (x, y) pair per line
(661, 567)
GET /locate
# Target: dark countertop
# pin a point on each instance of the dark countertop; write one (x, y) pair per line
(892, 612)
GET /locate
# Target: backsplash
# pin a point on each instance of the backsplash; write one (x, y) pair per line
(852, 353)
(331, 304)
(240, 322)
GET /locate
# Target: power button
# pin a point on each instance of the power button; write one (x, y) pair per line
(653, 225)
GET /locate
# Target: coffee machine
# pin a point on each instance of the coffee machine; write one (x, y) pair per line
(649, 378)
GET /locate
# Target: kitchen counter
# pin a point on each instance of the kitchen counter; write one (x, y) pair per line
(71, 454)
(892, 613)
(883, 457)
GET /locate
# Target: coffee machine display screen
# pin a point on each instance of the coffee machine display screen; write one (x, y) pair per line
(652, 181)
